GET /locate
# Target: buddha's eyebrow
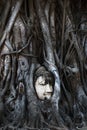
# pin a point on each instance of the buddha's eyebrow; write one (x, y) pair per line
(42, 82)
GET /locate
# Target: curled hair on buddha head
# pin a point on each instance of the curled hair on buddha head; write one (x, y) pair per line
(42, 71)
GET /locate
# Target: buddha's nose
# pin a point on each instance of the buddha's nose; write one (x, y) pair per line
(49, 88)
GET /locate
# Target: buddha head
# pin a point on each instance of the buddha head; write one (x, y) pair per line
(43, 82)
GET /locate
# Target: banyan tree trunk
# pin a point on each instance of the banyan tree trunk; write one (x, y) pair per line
(49, 56)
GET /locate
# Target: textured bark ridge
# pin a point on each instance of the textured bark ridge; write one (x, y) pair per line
(45, 38)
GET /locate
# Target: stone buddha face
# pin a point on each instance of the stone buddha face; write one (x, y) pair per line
(44, 85)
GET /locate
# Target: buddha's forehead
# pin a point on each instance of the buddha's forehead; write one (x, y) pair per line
(41, 79)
